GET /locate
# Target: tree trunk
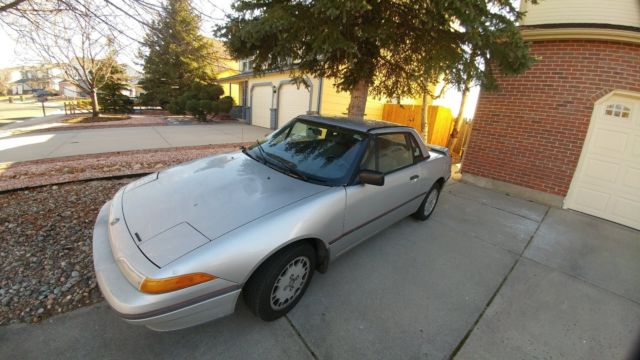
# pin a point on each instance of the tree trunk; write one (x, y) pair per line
(94, 102)
(424, 118)
(453, 138)
(358, 100)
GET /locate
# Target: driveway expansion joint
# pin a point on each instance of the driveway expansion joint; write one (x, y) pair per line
(159, 134)
(586, 281)
(302, 339)
(495, 293)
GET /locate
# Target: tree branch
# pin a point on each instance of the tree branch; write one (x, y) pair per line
(11, 5)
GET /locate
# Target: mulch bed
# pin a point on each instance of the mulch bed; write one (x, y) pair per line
(99, 119)
(46, 225)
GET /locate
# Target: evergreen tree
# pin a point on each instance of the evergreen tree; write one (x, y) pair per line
(110, 94)
(176, 54)
(391, 48)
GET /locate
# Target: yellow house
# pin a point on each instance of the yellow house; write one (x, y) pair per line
(272, 99)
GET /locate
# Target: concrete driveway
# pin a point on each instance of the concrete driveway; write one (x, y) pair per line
(487, 277)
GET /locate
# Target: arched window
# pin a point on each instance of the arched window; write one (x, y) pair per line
(618, 110)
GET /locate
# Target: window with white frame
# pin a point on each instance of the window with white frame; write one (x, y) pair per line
(617, 110)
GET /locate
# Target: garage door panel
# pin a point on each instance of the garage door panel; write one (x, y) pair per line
(591, 200)
(601, 170)
(261, 106)
(607, 141)
(292, 101)
(624, 209)
(635, 148)
(631, 179)
(607, 180)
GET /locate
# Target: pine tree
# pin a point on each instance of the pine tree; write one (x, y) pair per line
(390, 48)
(176, 54)
(110, 95)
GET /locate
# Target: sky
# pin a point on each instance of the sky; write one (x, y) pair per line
(15, 54)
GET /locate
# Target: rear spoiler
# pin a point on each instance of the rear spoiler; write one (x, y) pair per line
(437, 148)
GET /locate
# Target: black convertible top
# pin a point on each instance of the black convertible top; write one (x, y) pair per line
(352, 124)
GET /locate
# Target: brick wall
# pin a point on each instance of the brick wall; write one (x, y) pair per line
(531, 132)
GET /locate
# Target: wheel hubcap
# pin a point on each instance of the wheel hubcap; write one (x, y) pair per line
(431, 201)
(289, 283)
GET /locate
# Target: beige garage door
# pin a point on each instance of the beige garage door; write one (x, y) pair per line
(261, 105)
(293, 101)
(607, 180)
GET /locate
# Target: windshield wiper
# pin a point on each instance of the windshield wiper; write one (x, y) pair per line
(262, 152)
(288, 166)
(246, 152)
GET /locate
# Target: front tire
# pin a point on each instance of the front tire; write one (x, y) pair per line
(428, 204)
(278, 284)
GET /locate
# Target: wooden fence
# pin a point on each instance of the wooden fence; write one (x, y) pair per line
(409, 115)
(440, 121)
(77, 107)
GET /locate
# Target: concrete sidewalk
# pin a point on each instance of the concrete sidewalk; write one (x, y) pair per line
(78, 142)
(487, 277)
(30, 122)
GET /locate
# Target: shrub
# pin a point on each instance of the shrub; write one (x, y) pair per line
(200, 100)
(225, 104)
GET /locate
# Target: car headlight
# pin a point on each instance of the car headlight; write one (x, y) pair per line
(162, 285)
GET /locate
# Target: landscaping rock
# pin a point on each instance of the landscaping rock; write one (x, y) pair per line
(46, 265)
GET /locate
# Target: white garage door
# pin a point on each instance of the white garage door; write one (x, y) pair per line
(261, 105)
(293, 101)
(607, 180)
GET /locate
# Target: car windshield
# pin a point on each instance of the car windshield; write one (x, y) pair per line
(312, 151)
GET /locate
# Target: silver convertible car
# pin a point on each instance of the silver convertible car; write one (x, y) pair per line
(177, 248)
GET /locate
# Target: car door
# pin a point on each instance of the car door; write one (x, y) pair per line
(370, 208)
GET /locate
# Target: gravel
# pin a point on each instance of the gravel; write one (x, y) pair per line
(46, 266)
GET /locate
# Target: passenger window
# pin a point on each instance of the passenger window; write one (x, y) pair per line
(369, 159)
(389, 152)
(417, 151)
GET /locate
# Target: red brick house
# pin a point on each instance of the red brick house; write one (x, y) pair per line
(567, 131)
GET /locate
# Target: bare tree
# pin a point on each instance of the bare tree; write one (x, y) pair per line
(76, 41)
(83, 36)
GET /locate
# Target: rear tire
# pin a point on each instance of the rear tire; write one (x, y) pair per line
(428, 204)
(279, 283)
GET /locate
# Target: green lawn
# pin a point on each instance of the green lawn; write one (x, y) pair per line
(19, 111)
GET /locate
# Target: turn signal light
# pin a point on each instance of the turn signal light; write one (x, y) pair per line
(165, 285)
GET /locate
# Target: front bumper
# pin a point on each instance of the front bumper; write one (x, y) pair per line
(163, 312)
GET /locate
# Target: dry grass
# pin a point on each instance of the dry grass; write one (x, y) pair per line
(99, 119)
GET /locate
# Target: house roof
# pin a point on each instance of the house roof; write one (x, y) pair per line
(251, 74)
(246, 75)
(353, 124)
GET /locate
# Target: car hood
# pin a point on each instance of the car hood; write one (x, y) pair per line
(177, 210)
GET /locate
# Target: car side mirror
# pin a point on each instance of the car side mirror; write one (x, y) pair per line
(371, 177)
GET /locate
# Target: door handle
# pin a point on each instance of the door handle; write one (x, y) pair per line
(414, 178)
